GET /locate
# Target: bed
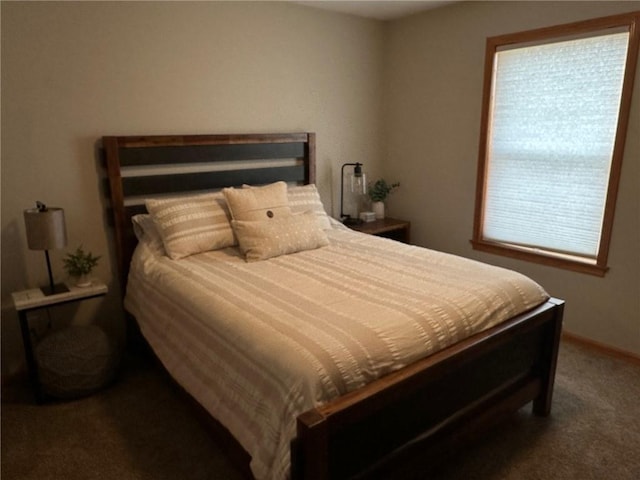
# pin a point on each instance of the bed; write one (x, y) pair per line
(319, 307)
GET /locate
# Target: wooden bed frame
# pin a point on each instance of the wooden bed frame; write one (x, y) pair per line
(420, 412)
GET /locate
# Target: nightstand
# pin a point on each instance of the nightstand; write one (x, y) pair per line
(386, 227)
(30, 300)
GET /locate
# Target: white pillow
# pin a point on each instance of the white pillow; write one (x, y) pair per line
(147, 233)
(192, 224)
(260, 240)
(305, 198)
(258, 203)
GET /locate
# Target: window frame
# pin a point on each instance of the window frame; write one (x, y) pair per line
(584, 28)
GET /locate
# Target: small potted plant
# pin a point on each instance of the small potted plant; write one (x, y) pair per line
(378, 193)
(79, 265)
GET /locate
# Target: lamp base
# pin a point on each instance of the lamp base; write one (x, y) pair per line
(55, 289)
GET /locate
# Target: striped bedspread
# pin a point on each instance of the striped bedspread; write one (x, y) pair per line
(259, 343)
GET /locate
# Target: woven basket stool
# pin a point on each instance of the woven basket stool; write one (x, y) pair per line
(75, 361)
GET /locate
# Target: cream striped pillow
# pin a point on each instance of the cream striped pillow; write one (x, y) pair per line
(192, 224)
(260, 240)
(305, 198)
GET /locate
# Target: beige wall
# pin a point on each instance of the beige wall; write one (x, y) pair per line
(72, 72)
(433, 81)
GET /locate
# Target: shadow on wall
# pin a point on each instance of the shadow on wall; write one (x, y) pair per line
(13, 260)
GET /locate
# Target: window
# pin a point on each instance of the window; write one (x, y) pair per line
(555, 109)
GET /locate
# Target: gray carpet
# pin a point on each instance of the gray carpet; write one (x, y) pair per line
(141, 428)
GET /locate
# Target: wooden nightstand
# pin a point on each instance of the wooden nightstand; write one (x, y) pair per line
(29, 300)
(386, 227)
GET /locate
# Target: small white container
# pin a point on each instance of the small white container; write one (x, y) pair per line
(367, 216)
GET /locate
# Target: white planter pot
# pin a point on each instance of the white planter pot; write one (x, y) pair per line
(83, 281)
(378, 209)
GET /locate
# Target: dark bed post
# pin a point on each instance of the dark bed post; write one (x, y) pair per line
(110, 145)
(310, 174)
(551, 347)
(310, 449)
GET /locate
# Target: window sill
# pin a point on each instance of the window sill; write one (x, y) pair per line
(549, 259)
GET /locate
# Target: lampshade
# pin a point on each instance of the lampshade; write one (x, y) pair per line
(358, 180)
(46, 228)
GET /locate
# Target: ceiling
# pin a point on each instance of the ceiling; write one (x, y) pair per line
(380, 10)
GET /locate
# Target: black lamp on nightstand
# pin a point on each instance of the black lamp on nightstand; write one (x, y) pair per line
(357, 186)
(46, 230)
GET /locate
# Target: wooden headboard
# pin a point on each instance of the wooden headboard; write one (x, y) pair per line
(152, 166)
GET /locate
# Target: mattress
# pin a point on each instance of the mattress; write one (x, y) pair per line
(257, 344)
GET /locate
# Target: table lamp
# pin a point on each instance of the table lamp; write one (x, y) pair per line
(357, 185)
(46, 230)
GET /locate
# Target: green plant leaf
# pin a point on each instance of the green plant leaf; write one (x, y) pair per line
(80, 263)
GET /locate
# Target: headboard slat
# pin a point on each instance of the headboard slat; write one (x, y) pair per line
(209, 153)
(132, 141)
(189, 182)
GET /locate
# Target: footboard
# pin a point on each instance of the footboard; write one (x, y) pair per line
(425, 409)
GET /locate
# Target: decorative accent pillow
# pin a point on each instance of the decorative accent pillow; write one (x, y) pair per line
(305, 198)
(258, 203)
(260, 240)
(192, 224)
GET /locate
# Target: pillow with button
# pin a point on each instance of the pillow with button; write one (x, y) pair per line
(258, 203)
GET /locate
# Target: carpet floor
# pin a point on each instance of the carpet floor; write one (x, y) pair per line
(141, 428)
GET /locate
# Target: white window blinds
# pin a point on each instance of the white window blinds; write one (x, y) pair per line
(554, 114)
